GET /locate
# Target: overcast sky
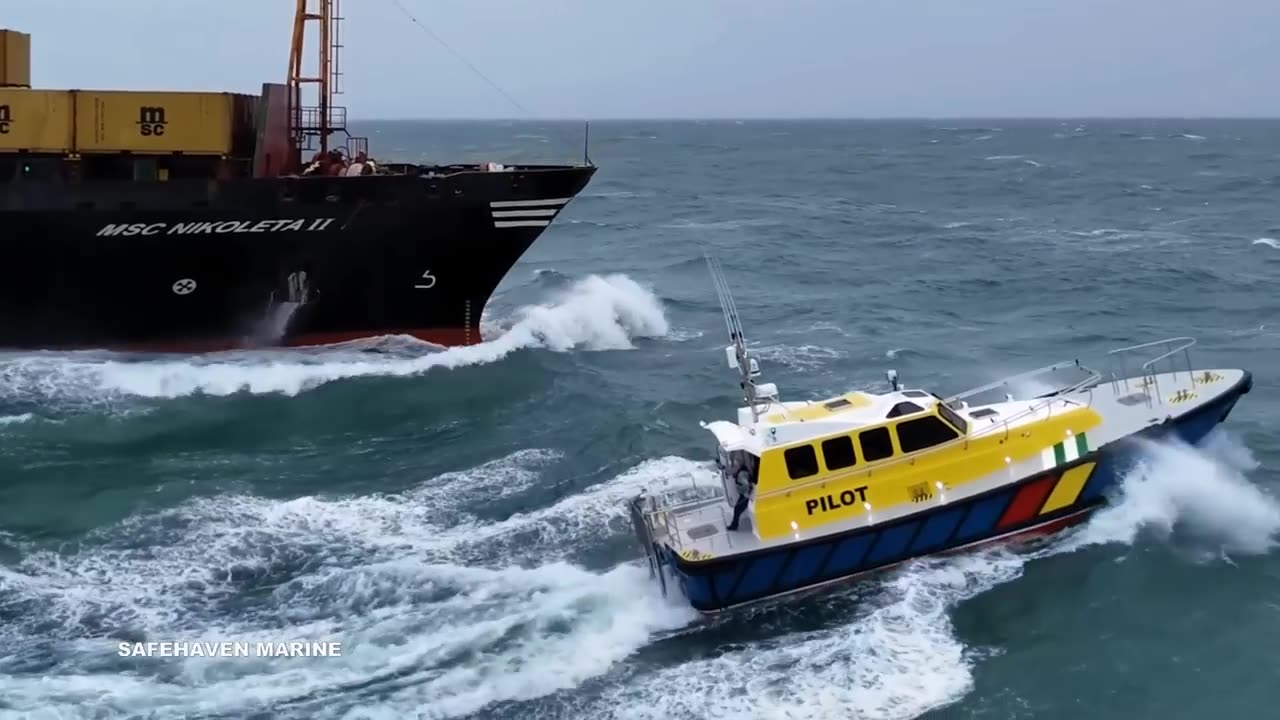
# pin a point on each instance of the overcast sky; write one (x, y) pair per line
(696, 58)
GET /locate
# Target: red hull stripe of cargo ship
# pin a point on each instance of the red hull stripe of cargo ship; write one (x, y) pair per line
(196, 222)
(446, 337)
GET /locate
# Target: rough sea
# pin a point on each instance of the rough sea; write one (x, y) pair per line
(454, 518)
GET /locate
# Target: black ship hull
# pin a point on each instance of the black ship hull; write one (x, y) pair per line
(202, 265)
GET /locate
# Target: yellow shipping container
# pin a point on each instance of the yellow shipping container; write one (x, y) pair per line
(15, 59)
(153, 122)
(36, 120)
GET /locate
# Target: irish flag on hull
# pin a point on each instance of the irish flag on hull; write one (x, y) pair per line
(1070, 449)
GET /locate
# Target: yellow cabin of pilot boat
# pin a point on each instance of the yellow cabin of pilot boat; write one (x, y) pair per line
(817, 463)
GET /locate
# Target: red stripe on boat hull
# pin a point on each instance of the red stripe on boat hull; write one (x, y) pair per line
(1027, 502)
(1049, 528)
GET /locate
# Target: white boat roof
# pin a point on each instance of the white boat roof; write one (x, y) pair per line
(784, 423)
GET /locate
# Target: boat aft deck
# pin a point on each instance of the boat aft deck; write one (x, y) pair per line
(700, 525)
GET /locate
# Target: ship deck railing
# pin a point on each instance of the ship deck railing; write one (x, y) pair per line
(1049, 376)
(314, 118)
(402, 168)
(656, 517)
(1170, 351)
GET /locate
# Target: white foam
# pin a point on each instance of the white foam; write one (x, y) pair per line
(557, 530)
(15, 419)
(798, 357)
(595, 313)
(573, 626)
(501, 634)
(435, 636)
(210, 546)
(898, 660)
(1202, 490)
(1269, 242)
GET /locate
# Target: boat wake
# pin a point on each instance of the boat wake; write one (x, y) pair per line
(427, 623)
(444, 613)
(594, 313)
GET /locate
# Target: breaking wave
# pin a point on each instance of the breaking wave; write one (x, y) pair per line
(1202, 491)
(595, 313)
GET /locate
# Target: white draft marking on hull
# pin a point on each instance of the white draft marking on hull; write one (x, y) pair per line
(527, 203)
(523, 213)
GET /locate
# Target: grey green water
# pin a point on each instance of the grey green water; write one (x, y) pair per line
(454, 518)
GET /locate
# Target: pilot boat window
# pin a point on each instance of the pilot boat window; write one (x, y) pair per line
(915, 393)
(801, 461)
(923, 433)
(904, 408)
(876, 444)
(838, 452)
(954, 418)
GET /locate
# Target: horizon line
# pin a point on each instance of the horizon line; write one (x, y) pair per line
(821, 118)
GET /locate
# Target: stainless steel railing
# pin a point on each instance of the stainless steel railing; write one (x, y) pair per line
(654, 516)
(1173, 347)
(1092, 377)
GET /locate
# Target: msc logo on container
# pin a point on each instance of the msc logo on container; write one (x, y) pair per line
(151, 121)
(6, 119)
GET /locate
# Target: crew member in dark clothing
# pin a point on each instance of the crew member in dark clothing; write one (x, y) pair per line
(742, 481)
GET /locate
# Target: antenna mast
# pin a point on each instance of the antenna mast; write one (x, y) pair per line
(737, 354)
(324, 118)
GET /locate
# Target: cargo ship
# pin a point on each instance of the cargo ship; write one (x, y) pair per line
(196, 222)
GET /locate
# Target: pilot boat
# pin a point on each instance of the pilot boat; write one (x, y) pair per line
(813, 493)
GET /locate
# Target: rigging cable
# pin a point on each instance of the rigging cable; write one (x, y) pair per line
(462, 59)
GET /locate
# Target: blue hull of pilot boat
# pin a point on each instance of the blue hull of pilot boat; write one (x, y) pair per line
(718, 584)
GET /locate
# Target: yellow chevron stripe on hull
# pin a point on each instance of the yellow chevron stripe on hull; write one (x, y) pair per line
(1068, 488)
